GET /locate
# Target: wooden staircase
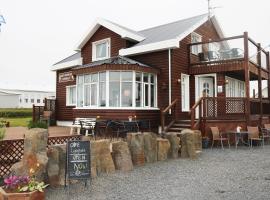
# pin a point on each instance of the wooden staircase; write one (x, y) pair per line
(180, 125)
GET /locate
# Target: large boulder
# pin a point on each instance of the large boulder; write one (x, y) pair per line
(121, 156)
(174, 144)
(198, 140)
(34, 161)
(101, 158)
(188, 149)
(56, 165)
(150, 147)
(163, 146)
(136, 146)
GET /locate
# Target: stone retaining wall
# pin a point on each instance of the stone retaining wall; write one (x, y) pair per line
(108, 156)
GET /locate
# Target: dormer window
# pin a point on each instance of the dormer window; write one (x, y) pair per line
(101, 49)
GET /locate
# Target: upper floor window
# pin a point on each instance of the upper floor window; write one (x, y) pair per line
(101, 49)
(71, 95)
(195, 49)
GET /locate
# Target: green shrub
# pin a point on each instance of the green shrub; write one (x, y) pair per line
(16, 112)
(2, 133)
(38, 124)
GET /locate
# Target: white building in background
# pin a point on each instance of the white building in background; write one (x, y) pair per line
(12, 98)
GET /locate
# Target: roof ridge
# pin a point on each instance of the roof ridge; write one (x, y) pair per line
(171, 22)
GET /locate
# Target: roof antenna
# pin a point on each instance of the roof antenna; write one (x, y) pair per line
(2, 20)
(210, 9)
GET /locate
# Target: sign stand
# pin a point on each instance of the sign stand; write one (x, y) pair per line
(78, 162)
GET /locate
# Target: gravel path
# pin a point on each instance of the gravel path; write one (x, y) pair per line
(217, 174)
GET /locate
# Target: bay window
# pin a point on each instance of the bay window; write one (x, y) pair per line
(116, 89)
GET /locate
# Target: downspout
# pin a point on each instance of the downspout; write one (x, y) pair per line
(170, 79)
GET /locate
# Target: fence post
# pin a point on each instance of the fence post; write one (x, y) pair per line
(33, 113)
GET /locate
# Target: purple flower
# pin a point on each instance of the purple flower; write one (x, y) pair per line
(14, 182)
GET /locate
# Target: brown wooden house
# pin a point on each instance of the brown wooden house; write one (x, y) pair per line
(184, 74)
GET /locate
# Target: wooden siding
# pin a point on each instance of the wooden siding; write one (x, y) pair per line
(63, 112)
(117, 43)
(180, 64)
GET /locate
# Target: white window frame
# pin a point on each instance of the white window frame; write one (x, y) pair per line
(185, 92)
(68, 93)
(108, 47)
(196, 49)
(133, 92)
(235, 85)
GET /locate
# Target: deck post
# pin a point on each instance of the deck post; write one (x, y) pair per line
(268, 82)
(260, 80)
(247, 78)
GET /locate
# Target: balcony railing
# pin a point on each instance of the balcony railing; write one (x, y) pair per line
(227, 50)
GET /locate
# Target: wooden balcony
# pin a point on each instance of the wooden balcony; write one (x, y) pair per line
(229, 54)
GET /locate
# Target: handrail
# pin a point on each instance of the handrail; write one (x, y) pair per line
(163, 113)
(218, 40)
(170, 106)
(192, 113)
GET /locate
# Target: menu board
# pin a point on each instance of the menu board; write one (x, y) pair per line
(78, 160)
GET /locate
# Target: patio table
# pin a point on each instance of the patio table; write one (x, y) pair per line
(238, 136)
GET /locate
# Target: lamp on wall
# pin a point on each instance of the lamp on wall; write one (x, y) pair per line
(226, 81)
(179, 81)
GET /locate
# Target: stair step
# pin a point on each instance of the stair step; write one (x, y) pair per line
(181, 125)
(175, 129)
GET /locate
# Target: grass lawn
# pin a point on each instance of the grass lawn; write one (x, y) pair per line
(18, 121)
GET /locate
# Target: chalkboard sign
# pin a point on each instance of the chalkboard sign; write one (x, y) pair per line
(78, 160)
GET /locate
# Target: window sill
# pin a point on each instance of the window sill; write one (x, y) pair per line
(114, 108)
(70, 105)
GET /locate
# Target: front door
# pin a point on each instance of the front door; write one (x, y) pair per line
(205, 88)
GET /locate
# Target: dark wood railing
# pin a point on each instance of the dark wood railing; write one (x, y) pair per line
(192, 113)
(171, 109)
(38, 111)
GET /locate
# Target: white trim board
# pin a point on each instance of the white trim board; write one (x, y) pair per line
(124, 33)
(66, 65)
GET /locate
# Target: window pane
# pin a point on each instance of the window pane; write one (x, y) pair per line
(80, 95)
(152, 96)
(93, 94)
(114, 76)
(146, 95)
(101, 50)
(138, 77)
(94, 77)
(126, 94)
(114, 93)
(102, 94)
(87, 95)
(102, 76)
(87, 78)
(138, 94)
(145, 78)
(152, 80)
(127, 76)
(73, 95)
(80, 79)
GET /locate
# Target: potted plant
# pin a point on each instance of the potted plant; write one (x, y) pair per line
(205, 142)
(22, 188)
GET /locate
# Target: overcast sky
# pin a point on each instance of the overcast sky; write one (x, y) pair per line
(40, 33)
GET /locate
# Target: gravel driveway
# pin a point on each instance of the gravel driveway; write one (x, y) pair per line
(217, 174)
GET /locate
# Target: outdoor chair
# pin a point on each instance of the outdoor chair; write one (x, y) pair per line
(131, 126)
(88, 126)
(100, 128)
(217, 136)
(46, 117)
(145, 125)
(116, 129)
(265, 134)
(254, 135)
(76, 125)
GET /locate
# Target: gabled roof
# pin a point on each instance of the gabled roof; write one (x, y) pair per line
(71, 61)
(113, 60)
(168, 35)
(124, 32)
(153, 39)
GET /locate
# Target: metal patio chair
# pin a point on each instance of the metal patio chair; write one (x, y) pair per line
(217, 136)
(254, 135)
